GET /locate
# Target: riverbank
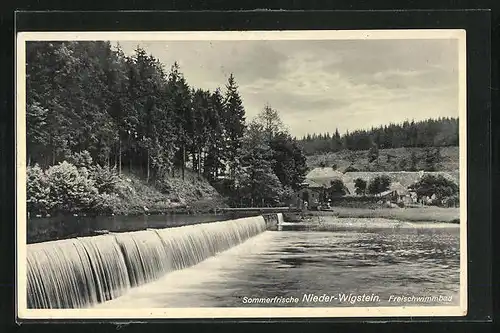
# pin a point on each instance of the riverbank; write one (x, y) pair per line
(417, 214)
(190, 195)
(92, 190)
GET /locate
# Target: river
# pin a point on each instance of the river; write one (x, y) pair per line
(62, 227)
(380, 259)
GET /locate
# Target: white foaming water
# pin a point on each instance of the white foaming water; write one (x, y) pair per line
(75, 272)
(280, 218)
(82, 272)
(188, 287)
(384, 261)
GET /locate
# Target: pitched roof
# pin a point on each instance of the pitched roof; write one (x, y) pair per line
(398, 187)
(386, 193)
(312, 183)
(324, 173)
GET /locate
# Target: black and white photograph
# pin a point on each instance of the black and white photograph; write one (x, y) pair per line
(241, 174)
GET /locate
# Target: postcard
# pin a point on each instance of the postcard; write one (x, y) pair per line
(241, 174)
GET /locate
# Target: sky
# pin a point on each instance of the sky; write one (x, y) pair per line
(320, 85)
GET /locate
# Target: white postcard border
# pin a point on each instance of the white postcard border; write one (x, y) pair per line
(263, 312)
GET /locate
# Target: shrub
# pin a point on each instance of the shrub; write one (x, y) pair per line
(438, 185)
(286, 196)
(452, 201)
(337, 188)
(37, 191)
(163, 185)
(71, 189)
(81, 159)
(66, 188)
(379, 184)
(373, 154)
(360, 185)
(106, 203)
(105, 179)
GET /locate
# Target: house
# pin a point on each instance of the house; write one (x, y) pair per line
(389, 195)
(310, 194)
(314, 189)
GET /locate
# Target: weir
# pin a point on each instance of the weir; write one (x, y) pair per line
(81, 272)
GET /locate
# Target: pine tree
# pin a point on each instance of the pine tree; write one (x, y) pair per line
(201, 105)
(373, 154)
(270, 120)
(215, 159)
(289, 161)
(255, 181)
(36, 135)
(429, 159)
(439, 132)
(234, 123)
(181, 103)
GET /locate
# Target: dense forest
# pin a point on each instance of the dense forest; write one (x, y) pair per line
(441, 132)
(128, 113)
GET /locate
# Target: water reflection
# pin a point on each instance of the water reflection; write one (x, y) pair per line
(63, 227)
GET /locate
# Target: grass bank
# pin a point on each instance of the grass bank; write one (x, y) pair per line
(418, 214)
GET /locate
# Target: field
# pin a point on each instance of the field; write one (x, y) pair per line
(397, 159)
(419, 214)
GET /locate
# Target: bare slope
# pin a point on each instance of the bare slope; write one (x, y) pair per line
(172, 192)
(396, 159)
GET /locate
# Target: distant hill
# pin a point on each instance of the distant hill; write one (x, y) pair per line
(395, 159)
(440, 132)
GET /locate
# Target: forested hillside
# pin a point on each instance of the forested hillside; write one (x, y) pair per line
(430, 145)
(94, 113)
(441, 132)
(125, 111)
(396, 159)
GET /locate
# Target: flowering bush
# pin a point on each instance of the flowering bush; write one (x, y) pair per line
(106, 203)
(71, 188)
(38, 190)
(68, 188)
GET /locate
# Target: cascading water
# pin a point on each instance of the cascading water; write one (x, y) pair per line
(145, 256)
(81, 272)
(75, 272)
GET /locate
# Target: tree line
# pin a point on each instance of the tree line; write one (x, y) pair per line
(128, 111)
(440, 132)
(431, 189)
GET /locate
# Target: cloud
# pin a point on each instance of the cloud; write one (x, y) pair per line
(318, 86)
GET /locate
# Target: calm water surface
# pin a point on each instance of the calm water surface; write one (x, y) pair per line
(62, 227)
(399, 259)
